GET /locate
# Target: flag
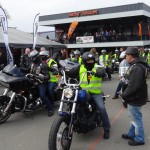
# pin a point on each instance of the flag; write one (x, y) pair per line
(35, 29)
(72, 28)
(4, 26)
(148, 30)
(140, 29)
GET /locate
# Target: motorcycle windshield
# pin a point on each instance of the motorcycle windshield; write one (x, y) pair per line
(13, 70)
(67, 64)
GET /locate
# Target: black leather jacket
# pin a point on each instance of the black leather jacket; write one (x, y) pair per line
(25, 63)
(40, 68)
(136, 92)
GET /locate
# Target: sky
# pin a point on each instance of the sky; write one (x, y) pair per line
(23, 12)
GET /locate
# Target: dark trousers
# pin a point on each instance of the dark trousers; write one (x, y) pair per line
(42, 92)
(108, 72)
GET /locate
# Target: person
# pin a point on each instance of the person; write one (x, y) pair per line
(135, 96)
(39, 68)
(104, 59)
(25, 61)
(93, 86)
(124, 65)
(77, 56)
(42, 49)
(146, 55)
(116, 55)
(93, 50)
(60, 55)
(120, 51)
(53, 81)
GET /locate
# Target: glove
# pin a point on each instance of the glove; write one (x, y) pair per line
(55, 73)
(41, 77)
(100, 72)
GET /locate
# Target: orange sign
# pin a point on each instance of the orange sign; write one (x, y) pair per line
(72, 28)
(83, 13)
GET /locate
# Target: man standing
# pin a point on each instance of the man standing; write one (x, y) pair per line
(135, 96)
(25, 61)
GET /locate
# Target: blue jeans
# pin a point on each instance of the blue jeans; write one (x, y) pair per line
(42, 93)
(136, 129)
(101, 106)
(51, 88)
(118, 88)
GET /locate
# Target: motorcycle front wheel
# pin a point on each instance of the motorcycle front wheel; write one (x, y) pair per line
(58, 136)
(6, 115)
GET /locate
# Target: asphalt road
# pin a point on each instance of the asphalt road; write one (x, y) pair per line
(22, 133)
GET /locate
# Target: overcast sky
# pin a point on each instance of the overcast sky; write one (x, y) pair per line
(22, 12)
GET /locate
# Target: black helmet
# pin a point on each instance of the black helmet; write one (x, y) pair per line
(132, 50)
(87, 56)
(34, 55)
(103, 51)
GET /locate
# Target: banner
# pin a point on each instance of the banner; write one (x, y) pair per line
(35, 29)
(85, 39)
(72, 28)
(140, 29)
(4, 26)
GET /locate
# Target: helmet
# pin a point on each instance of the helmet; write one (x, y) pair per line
(34, 55)
(103, 51)
(88, 56)
(116, 51)
(122, 55)
(146, 49)
(77, 52)
(132, 50)
(44, 55)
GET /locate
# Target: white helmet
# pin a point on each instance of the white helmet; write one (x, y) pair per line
(77, 52)
(122, 55)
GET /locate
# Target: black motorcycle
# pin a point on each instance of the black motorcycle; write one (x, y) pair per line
(20, 93)
(76, 112)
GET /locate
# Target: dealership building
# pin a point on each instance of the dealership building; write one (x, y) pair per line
(109, 28)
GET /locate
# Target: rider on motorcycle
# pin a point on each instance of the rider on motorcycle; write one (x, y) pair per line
(104, 58)
(39, 68)
(93, 86)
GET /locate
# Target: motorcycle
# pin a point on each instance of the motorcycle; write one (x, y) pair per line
(115, 66)
(77, 113)
(20, 93)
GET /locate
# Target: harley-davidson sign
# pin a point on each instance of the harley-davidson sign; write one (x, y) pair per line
(83, 13)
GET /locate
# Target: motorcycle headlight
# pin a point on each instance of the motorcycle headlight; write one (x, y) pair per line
(68, 93)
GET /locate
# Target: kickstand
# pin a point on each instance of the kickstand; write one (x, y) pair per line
(28, 115)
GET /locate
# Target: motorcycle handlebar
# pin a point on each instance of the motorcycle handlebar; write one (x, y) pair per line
(33, 77)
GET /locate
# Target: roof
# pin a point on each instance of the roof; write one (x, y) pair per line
(20, 39)
(129, 10)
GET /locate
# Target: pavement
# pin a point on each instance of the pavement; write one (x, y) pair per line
(23, 133)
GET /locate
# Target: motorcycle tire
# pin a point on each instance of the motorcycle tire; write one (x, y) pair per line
(4, 117)
(58, 133)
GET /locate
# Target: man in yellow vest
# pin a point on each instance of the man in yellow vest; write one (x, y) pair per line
(146, 55)
(93, 86)
(104, 59)
(52, 67)
(77, 56)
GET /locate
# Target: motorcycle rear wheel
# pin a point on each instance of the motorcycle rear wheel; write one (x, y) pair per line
(58, 134)
(4, 117)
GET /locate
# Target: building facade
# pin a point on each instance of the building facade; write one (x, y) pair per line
(109, 28)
